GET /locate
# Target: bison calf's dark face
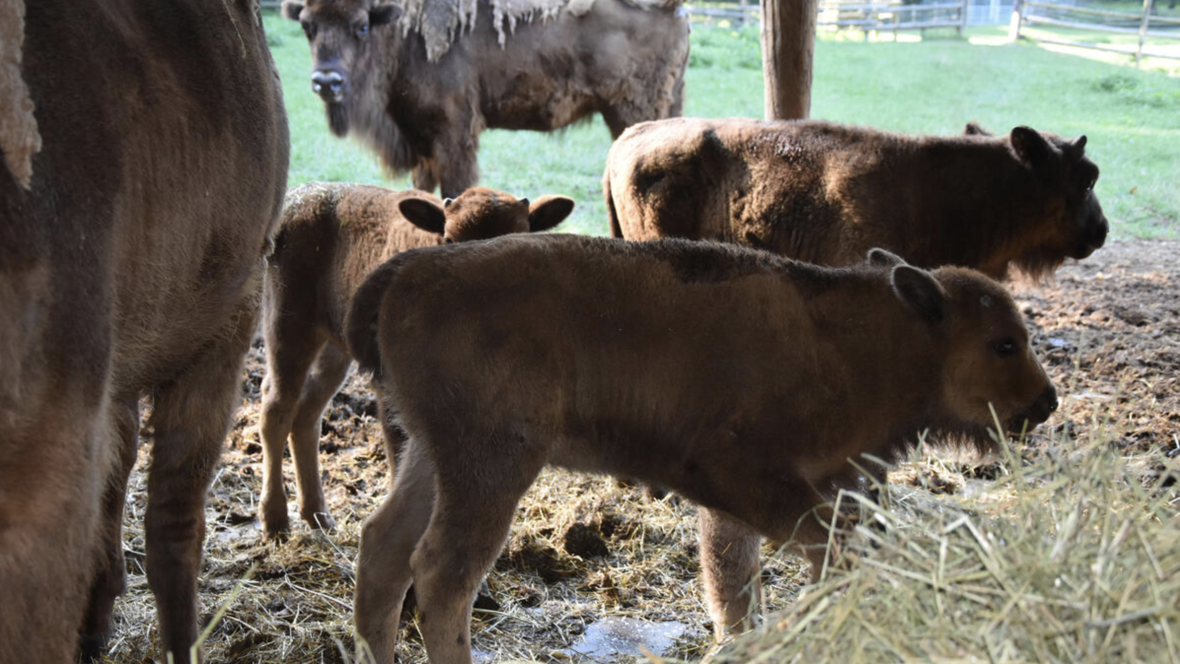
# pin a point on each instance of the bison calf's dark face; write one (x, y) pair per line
(339, 32)
(990, 365)
(1068, 177)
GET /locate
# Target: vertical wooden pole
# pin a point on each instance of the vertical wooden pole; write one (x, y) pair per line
(963, 18)
(1014, 23)
(1143, 30)
(788, 52)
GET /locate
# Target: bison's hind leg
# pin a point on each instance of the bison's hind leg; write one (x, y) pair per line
(327, 374)
(190, 417)
(477, 497)
(731, 570)
(292, 346)
(387, 542)
(110, 575)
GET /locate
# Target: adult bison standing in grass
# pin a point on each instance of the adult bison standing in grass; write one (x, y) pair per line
(827, 193)
(145, 169)
(422, 106)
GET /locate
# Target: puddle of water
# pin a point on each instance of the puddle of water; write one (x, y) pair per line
(610, 638)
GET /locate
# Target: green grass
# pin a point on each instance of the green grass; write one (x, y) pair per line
(934, 85)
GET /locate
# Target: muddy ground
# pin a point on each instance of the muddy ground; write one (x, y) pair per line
(584, 548)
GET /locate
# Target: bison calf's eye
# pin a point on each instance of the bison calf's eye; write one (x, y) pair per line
(1005, 347)
(309, 30)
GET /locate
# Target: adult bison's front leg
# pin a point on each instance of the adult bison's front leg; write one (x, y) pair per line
(191, 417)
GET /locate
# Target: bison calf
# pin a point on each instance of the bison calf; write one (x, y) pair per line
(826, 193)
(742, 380)
(331, 236)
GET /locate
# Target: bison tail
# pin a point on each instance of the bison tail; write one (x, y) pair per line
(360, 327)
(615, 229)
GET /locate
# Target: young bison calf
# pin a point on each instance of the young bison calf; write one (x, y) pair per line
(826, 193)
(331, 236)
(739, 379)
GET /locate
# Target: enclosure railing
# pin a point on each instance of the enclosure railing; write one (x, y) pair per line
(1110, 22)
(867, 16)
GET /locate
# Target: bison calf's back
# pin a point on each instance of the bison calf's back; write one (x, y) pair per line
(739, 379)
(827, 193)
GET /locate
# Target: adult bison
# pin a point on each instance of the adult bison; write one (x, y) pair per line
(827, 193)
(375, 71)
(150, 165)
(742, 380)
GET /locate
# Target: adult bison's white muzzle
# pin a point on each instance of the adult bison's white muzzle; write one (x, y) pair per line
(328, 84)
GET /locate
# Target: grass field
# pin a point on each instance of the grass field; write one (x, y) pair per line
(933, 86)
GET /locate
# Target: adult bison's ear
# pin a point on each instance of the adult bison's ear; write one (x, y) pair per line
(549, 211)
(921, 291)
(291, 9)
(427, 215)
(1030, 146)
(975, 129)
(883, 258)
(382, 14)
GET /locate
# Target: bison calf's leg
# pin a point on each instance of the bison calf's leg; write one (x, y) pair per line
(387, 542)
(190, 417)
(291, 349)
(110, 575)
(472, 516)
(327, 375)
(730, 566)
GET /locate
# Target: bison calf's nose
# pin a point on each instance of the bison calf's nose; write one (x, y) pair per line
(1044, 406)
(329, 85)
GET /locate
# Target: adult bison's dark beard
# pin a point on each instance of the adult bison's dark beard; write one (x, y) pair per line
(338, 119)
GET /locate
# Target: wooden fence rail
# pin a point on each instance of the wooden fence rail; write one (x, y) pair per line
(1025, 13)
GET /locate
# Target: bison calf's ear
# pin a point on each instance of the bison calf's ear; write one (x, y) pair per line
(883, 258)
(1030, 146)
(382, 14)
(424, 214)
(975, 129)
(921, 291)
(292, 9)
(1077, 147)
(548, 212)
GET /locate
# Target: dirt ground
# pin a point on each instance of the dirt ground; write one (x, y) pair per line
(587, 548)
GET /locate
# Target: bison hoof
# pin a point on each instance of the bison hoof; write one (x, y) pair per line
(92, 646)
(275, 527)
(320, 520)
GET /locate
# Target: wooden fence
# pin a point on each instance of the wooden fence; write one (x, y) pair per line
(1034, 12)
(867, 16)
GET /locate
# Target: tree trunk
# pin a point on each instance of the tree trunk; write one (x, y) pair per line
(788, 49)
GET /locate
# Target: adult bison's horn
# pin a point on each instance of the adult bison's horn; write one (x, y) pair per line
(329, 85)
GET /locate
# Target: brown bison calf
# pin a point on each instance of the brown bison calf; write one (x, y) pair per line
(331, 236)
(742, 380)
(826, 193)
(133, 227)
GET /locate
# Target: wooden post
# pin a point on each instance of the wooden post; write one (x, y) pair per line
(963, 19)
(1143, 30)
(788, 51)
(1014, 24)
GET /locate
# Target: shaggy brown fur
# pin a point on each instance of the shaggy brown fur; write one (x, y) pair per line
(739, 379)
(377, 81)
(330, 237)
(826, 193)
(130, 267)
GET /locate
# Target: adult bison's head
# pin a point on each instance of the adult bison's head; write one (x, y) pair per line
(1066, 177)
(341, 33)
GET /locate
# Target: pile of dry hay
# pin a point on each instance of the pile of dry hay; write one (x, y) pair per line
(1073, 555)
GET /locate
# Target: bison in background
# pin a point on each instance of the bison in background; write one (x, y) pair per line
(827, 193)
(130, 265)
(330, 238)
(741, 380)
(377, 81)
